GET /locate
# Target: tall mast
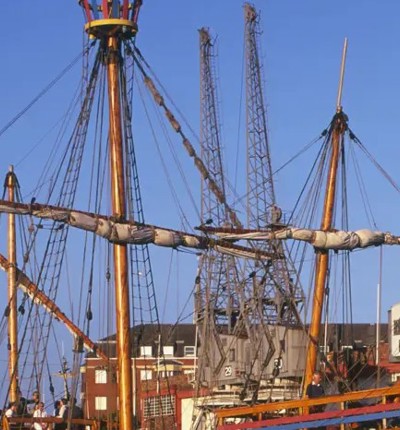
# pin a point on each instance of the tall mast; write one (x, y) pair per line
(338, 127)
(116, 26)
(120, 251)
(11, 183)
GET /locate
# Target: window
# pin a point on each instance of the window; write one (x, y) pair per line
(145, 375)
(100, 376)
(146, 351)
(347, 347)
(157, 406)
(247, 355)
(190, 374)
(395, 377)
(168, 350)
(189, 351)
(100, 403)
(166, 373)
(396, 327)
(231, 355)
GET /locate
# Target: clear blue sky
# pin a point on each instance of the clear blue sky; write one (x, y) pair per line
(301, 42)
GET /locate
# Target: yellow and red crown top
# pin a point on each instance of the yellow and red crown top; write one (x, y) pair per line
(106, 16)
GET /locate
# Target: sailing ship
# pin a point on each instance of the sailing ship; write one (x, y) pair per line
(248, 295)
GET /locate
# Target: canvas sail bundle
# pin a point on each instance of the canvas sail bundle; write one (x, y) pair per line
(335, 240)
(130, 232)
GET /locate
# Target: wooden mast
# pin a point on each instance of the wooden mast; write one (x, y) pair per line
(322, 257)
(115, 26)
(11, 182)
(121, 285)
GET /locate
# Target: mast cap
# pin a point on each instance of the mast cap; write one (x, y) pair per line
(101, 28)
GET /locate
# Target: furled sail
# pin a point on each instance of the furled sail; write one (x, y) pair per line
(130, 232)
(335, 239)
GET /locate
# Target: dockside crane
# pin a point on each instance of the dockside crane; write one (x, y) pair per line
(279, 292)
(216, 301)
(240, 302)
(272, 295)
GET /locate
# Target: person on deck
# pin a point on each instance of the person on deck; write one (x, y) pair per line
(22, 407)
(77, 412)
(315, 390)
(34, 401)
(40, 413)
(62, 413)
(57, 406)
(11, 410)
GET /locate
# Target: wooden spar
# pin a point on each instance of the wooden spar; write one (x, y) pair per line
(322, 257)
(11, 182)
(120, 251)
(342, 68)
(71, 217)
(36, 294)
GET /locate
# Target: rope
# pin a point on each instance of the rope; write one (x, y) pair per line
(44, 91)
(185, 222)
(375, 162)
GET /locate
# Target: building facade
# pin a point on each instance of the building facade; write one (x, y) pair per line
(164, 369)
(164, 361)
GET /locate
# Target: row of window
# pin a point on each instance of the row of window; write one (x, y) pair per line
(145, 375)
(153, 406)
(168, 351)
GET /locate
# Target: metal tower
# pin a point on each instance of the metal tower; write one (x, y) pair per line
(240, 303)
(275, 283)
(216, 306)
(270, 295)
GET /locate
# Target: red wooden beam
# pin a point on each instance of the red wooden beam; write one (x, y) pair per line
(105, 9)
(312, 417)
(135, 12)
(86, 6)
(125, 7)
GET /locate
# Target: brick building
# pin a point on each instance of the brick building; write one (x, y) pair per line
(170, 351)
(157, 353)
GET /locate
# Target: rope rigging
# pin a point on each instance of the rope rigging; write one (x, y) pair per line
(44, 90)
(306, 214)
(64, 181)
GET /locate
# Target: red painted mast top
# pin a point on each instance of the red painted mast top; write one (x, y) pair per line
(111, 17)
